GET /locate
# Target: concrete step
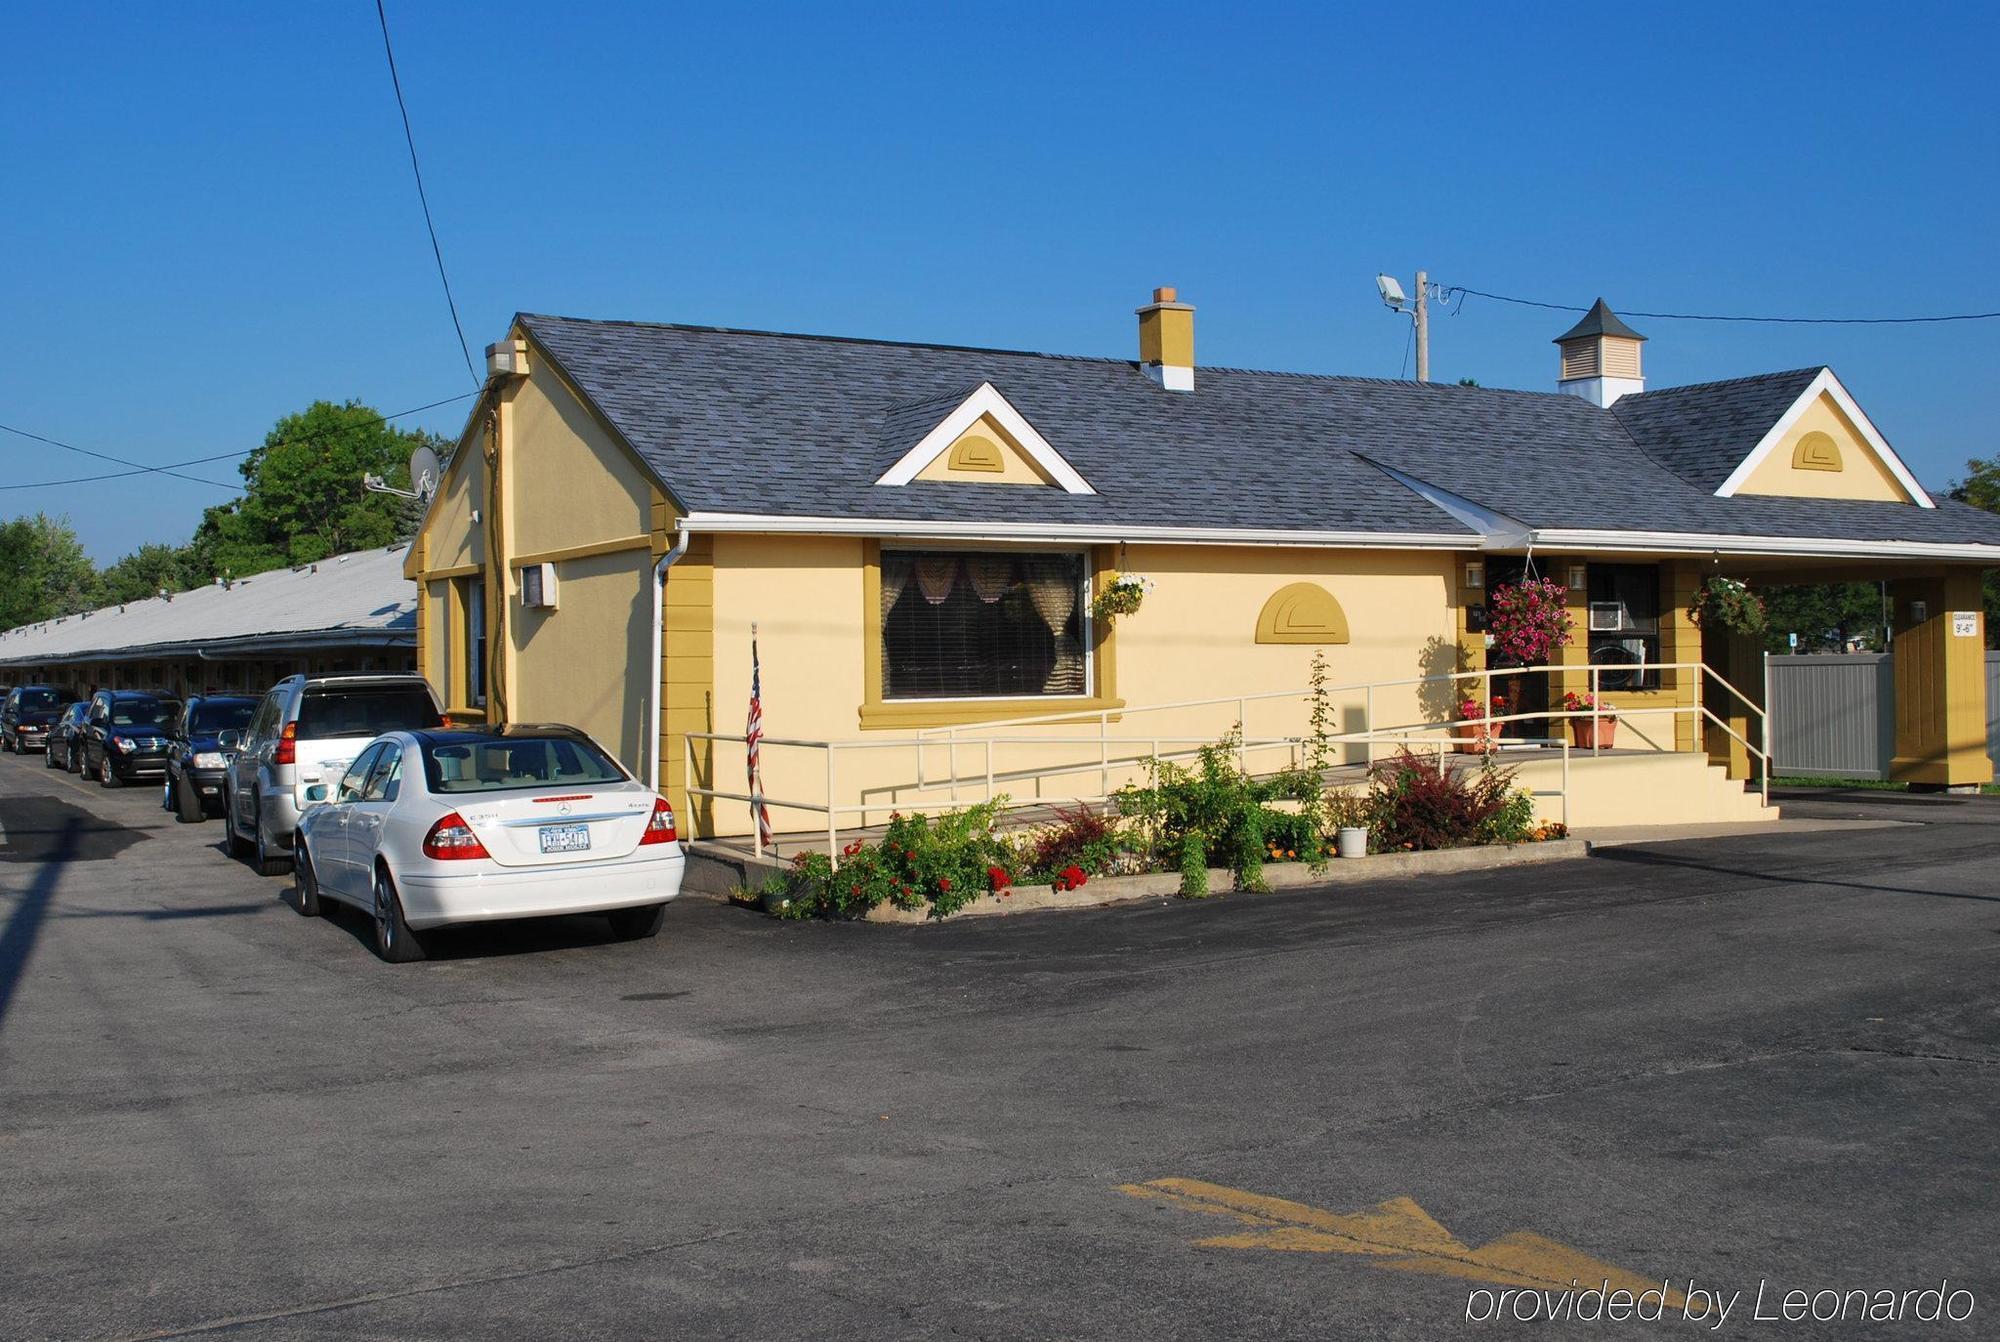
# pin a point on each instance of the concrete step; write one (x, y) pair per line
(1665, 788)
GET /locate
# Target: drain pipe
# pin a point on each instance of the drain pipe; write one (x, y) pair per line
(657, 671)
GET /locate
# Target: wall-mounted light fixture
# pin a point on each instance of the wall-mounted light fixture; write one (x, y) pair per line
(1475, 574)
(1578, 577)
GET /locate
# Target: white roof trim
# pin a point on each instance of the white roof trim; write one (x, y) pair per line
(987, 400)
(1498, 530)
(1816, 547)
(1826, 383)
(1063, 532)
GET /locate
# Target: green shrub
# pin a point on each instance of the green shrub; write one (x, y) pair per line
(1080, 837)
(1416, 803)
(943, 862)
(1194, 867)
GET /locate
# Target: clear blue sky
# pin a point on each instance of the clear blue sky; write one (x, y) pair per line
(210, 219)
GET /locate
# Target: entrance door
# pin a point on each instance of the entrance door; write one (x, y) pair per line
(1519, 692)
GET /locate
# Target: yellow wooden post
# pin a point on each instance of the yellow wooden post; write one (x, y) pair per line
(1940, 659)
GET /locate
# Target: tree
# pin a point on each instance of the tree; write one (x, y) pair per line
(1824, 616)
(302, 497)
(43, 571)
(1981, 489)
(146, 572)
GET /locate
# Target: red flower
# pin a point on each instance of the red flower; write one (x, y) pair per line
(998, 879)
(944, 885)
(1073, 875)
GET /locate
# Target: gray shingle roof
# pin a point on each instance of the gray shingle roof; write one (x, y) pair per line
(1702, 432)
(756, 422)
(360, 598)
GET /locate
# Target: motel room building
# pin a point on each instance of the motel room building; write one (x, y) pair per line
(917, 534)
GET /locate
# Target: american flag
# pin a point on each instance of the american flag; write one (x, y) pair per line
(753, 735)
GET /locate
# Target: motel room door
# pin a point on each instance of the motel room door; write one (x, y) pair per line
(1519, 692)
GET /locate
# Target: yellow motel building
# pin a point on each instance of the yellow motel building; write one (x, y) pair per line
(919, 536)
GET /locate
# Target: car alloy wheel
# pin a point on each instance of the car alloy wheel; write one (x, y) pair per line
(394, 941)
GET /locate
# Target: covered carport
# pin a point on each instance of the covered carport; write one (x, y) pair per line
(352, 612)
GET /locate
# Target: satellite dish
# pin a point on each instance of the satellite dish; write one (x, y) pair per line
(424, 472)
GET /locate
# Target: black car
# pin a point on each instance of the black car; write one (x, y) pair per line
(25, 717)
(125, 736)
(65, 735)
(195, 765)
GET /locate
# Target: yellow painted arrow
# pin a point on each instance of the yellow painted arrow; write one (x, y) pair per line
(1396, 1234)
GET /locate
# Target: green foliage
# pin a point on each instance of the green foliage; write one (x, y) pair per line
(943, 862)
(1981, 489)
(43, 571)
(1194, 866)
(1824, 616)
(1216, 803)
(302, 497)
(146, 572)
(1728, 604)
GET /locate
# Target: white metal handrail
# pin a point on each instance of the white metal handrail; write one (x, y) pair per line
(1139, 748)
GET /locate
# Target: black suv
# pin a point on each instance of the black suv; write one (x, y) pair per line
(125, 736)
(195, 763)
(66, 737)
(26, 715)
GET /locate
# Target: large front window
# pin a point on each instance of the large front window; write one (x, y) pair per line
(969, 624)
(1625, 625)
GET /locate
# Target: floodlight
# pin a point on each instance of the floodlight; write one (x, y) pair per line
(1391, 291)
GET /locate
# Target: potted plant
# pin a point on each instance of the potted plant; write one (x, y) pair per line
(1351, 840)
(1474, 732)
(1121, 594)
(1600, 729)
(1727, 604)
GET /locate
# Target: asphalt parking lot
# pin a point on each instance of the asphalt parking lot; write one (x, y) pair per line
(1302, 1115)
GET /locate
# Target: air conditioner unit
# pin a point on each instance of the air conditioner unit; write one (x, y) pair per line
(538, 586)
(1606, 617)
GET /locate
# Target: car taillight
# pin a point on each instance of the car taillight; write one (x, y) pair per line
(660, 825)
(287, 751)
(452, 838)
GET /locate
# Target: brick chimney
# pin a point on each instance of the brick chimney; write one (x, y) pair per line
(1600, 358)
(1166, 340)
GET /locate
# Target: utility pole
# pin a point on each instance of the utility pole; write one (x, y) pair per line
(1423, 327)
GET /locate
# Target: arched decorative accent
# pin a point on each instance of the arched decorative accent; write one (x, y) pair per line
(1817, 452)
(976, 452)
(1303, 612)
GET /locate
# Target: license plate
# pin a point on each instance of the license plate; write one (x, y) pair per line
(565, 838)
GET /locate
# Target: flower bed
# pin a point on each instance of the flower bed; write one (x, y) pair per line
(1181, 821)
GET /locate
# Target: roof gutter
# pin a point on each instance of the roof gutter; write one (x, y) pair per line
(657, 674)
(1091, 532)
(1775, 547)
(250, 645)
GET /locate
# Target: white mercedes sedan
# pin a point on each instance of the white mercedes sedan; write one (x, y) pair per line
(466, 824)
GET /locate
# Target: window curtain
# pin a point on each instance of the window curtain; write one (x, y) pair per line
(936, 576)
(895, 577)
(991, 576)
(1053, 590)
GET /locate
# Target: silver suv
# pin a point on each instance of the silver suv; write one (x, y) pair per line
(306, 732)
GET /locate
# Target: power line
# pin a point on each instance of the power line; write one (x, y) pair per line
(138, 468)
(1715, 317)
(169, 467)
(410, 139)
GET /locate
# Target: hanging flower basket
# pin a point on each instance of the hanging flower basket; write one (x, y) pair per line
(1528, 620)
(1729, 605)
(1122, 595)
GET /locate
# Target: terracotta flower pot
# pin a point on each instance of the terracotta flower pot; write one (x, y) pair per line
(1588, 733)
(1474, 738)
